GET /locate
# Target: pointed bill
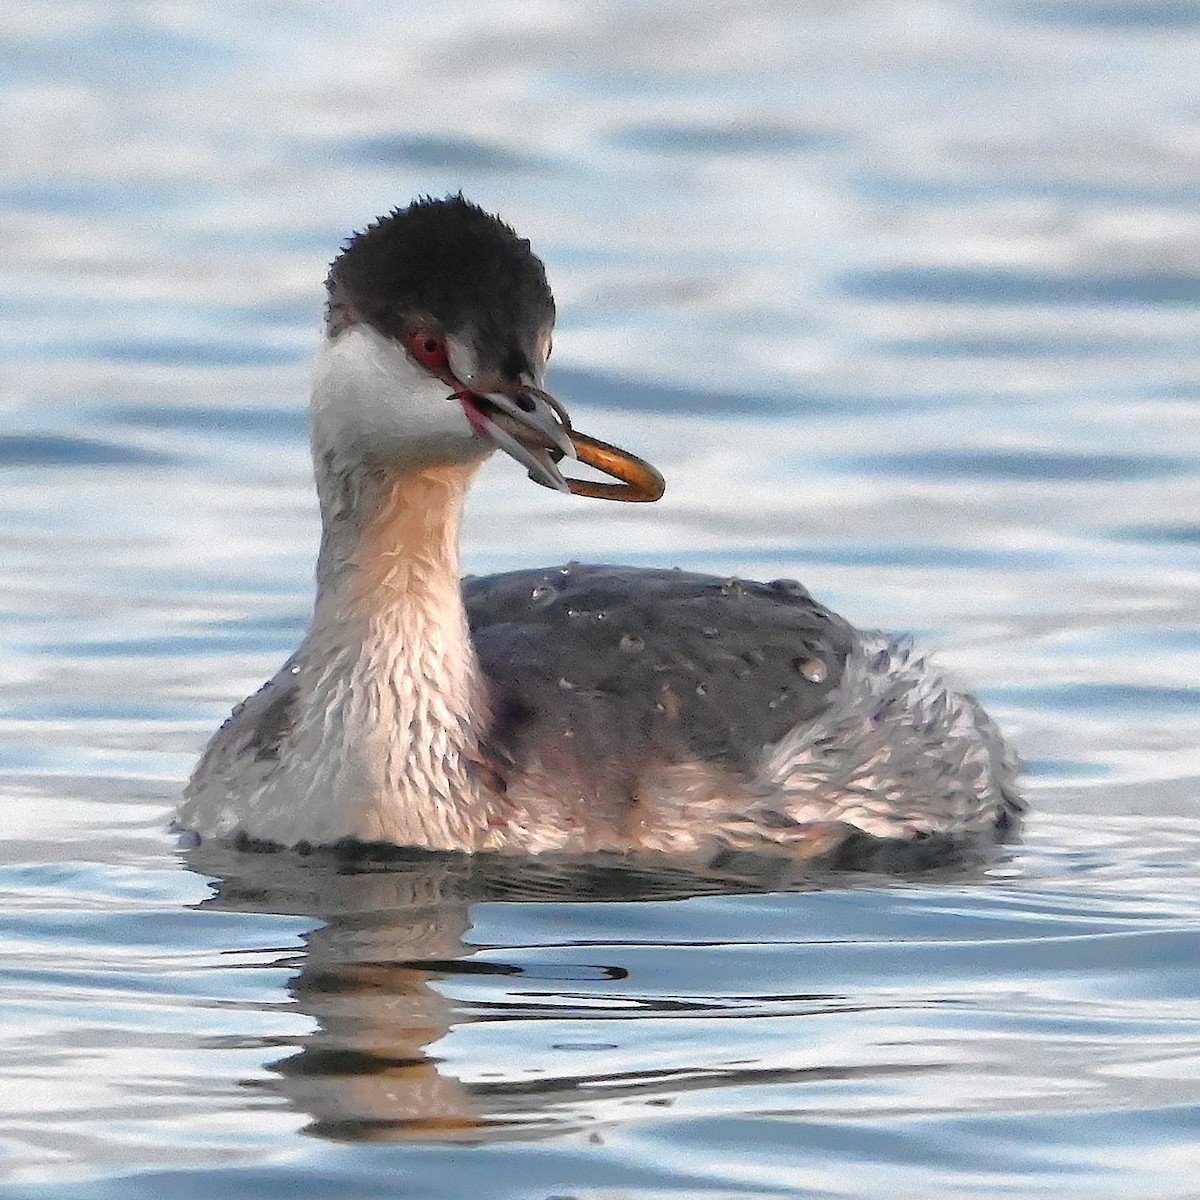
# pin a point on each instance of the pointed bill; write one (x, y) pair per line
(526, 426)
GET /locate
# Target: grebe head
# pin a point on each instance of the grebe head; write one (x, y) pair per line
(437, 331)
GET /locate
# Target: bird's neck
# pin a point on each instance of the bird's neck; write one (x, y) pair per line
(388, 670)
(389, 549)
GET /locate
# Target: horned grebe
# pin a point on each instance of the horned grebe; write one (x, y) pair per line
(573, 708)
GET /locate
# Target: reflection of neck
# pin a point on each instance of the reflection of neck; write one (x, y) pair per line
(363, 1073)
(387, 668)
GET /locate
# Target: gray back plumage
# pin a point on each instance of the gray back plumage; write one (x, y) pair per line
(660, 664)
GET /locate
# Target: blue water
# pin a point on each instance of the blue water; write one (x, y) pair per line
(903, 298)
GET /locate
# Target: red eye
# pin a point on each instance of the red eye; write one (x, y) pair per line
(428, 348)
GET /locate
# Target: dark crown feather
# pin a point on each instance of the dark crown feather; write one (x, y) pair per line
(449, 260)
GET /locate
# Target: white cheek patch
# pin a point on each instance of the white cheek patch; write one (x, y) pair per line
(369, 395)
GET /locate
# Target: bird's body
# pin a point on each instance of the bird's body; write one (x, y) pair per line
(573, 708)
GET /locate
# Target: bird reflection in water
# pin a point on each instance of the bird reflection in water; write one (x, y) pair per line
(378, 974)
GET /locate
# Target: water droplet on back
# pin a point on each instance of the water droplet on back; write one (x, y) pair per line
(813, 669)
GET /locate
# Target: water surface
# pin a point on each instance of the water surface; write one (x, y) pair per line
(902, 299)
